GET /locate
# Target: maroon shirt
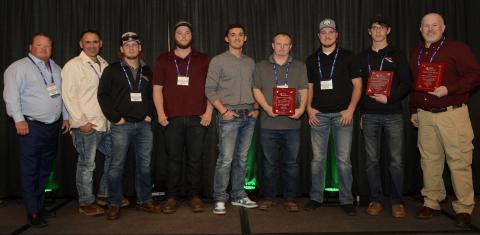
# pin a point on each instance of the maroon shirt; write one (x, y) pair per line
(462, 74)
(182, 100)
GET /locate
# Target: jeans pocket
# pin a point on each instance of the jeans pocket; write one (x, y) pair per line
(86, 133)
(226, 121)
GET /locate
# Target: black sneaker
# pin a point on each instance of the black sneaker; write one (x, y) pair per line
(36, 221)
(349, 209)
(312, 205)
(47, 213)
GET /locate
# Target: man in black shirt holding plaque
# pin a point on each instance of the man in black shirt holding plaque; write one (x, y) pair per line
(386, 80)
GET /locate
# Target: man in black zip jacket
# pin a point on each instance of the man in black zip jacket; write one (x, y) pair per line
(125, 96)
(381, 109)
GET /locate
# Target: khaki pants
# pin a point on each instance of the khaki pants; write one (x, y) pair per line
(447, 134)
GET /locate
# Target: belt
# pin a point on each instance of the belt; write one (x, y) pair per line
(441, 110)
(31, 119)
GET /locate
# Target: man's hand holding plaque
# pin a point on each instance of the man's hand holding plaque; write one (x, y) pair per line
(283, 102)
(430, 76)
(379, 82)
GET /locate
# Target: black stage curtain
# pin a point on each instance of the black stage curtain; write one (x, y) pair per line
(154, 20)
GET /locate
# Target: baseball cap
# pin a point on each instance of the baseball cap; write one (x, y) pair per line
(128, 37)
(327, 23)
(183, 23)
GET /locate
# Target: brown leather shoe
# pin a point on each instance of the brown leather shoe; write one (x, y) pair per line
(170, 206)
(91, 209)
(265, 205)
(196, 204)
(374, 208)
(151, 207)
(292, 206)
(463, 220)
(398, 211)
(427, 213)
(113, 213)
(103, 201)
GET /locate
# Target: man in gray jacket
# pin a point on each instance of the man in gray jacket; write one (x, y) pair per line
(229, 89)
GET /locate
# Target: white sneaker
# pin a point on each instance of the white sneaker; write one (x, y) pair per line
(219, 208)
(245, 202)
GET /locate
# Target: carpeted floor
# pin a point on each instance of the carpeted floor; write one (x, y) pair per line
(329, 219)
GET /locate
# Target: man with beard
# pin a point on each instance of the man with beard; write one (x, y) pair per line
(183, 109)
(333, 95)
(90, 128)
(229, 89)
(125, 96)
(442, 118)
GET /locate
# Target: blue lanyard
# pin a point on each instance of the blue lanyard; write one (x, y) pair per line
(41, 73)
(176, 65)
(433, 55)
(139, 77)
(370, 67)
(333, 64)
(91, 65)
(275, 73)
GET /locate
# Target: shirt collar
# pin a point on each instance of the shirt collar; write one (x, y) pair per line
(320, 50)
(87, 59)
(232, 55)
(271, 60)
(37, 60)
(171, 53)
(140, 62)
(435, 44)
(382, 51)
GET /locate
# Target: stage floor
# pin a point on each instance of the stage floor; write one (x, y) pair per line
(325, 220)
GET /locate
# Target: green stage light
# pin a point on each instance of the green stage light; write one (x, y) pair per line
(251, 167)
(52, 183)
(331, 189)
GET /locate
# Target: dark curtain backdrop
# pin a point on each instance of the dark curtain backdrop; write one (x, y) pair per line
(154, 20)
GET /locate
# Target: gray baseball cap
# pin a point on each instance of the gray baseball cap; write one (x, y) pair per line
(327, 23)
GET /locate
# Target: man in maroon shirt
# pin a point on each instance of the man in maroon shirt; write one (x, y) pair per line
(182, 108)
(441, 115)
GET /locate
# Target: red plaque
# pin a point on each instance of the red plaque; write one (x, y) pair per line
(430, 76)
(283, 101)
(379, 82)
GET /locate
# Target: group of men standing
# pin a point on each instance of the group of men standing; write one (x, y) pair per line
(111, 106)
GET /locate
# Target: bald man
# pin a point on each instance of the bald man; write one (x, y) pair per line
(441, 115)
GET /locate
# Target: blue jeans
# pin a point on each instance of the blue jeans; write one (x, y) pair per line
(392, 124)
(87, 145)
(234, 138)
(140, 135)
(272, 142)
(342, 136)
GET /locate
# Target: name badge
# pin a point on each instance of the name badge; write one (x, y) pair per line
(326, 84)
(52, 90)
(182, 80)
(282, 86)
(136, 97)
